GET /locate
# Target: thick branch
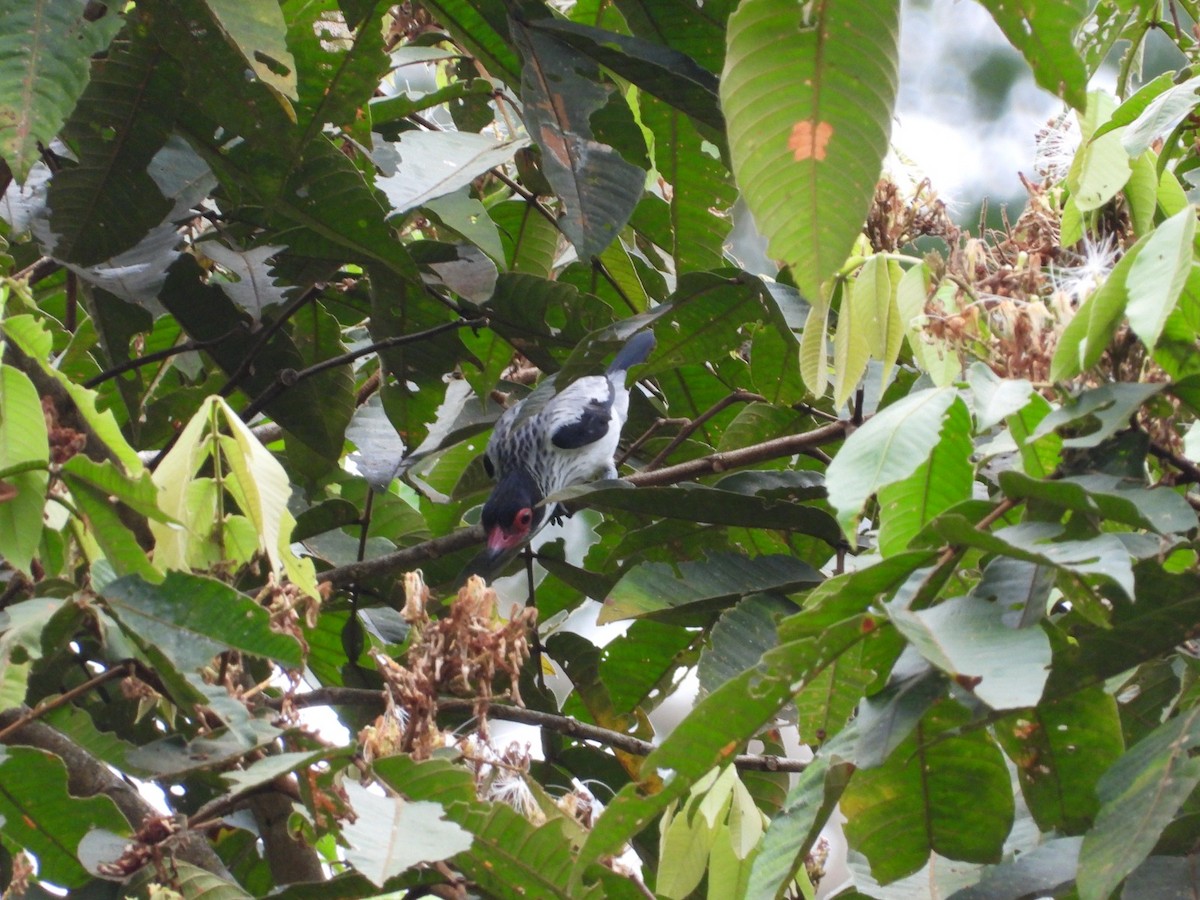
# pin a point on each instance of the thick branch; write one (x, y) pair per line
(88, 776)
(561, 724)
(788, 445)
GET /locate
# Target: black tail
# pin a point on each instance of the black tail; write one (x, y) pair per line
(634, 352)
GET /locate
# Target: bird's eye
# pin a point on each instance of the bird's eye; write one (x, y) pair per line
(524, 517)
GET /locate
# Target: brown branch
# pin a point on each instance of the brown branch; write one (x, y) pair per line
(738, 396)
(62, 699)
(788, 445)
(158, 356)
(1188, 468)
(553, 721)
(87, 776)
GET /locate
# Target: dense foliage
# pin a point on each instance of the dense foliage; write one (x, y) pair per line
(922, 498)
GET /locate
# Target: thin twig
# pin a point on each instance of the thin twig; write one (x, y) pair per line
(159, 356)
(64, 698)
(558, 723)
(647, 434)
(264, 337)
(738, 396)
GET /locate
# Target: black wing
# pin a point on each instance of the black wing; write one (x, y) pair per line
(582, 414)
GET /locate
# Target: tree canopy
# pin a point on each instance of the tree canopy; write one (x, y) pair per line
(916, 509)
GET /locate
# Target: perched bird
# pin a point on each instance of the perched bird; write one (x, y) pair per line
(571, 439)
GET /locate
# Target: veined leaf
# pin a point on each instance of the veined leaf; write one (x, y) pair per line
(46, 48)
(887, 448)
(808, 92)
(257, 31)
(938, 793)
(941, 481)
(561, 89)
(23, 443)
(1139, 796)
(1045, 35)
(1158, 274)
(40, 815)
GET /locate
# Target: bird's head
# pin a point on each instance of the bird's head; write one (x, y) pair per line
(511, 515)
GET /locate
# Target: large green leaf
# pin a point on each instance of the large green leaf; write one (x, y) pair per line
(257, 31)
(45, 57)
(389, 835)
(191, 619)
(966, 638)
(654, 589)
(702, 189)
(906, 506)
(508, 849)
(1116, 499)
(1060, 749)
(888, 448)
(1045, 35)
(24, 455)
(937, 793)
(1139, 796)
(107, 201)
(561, 89)
(433, 164)
(695, 29)
(808, 92)
(1156, 278)
(39, 814)
(481, 29)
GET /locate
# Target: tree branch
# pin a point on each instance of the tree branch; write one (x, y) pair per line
(87, 776)
(553, 721)
(158, 356)
(738, 396)
(788, 445)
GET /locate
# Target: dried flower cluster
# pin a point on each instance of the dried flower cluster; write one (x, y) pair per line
(462, 653)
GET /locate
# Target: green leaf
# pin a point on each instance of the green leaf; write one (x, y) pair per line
(740, 637)
(1101, 166)
(857, 329)
(1045, 35)
(698, 32)
(702, 190)
(967, 638)
(939, 792)
(560, 90)
(654, 589)
(1117, 499)
(1103, 555)
(814, 350)
(795, 829)
(1133, 107)
(45, 60)
(1061, 748)
(436, 163)
(1096, 414)
(888, 448)
(808, 93)
(1139, 797)
(191, 619)
(23, 443)
(481, 29)
(530, 240)
(662, 72)
(257, 31)
(1157, 276)
(389, 835)
(1160, 115)
(41, 816)
(107, 202)
(507, 849)
(907, 506)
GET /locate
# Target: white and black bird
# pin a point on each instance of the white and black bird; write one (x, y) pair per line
(570, 440)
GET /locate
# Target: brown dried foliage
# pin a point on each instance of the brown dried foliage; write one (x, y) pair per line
(463, 653)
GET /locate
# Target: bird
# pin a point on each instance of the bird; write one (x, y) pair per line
(536, 452)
